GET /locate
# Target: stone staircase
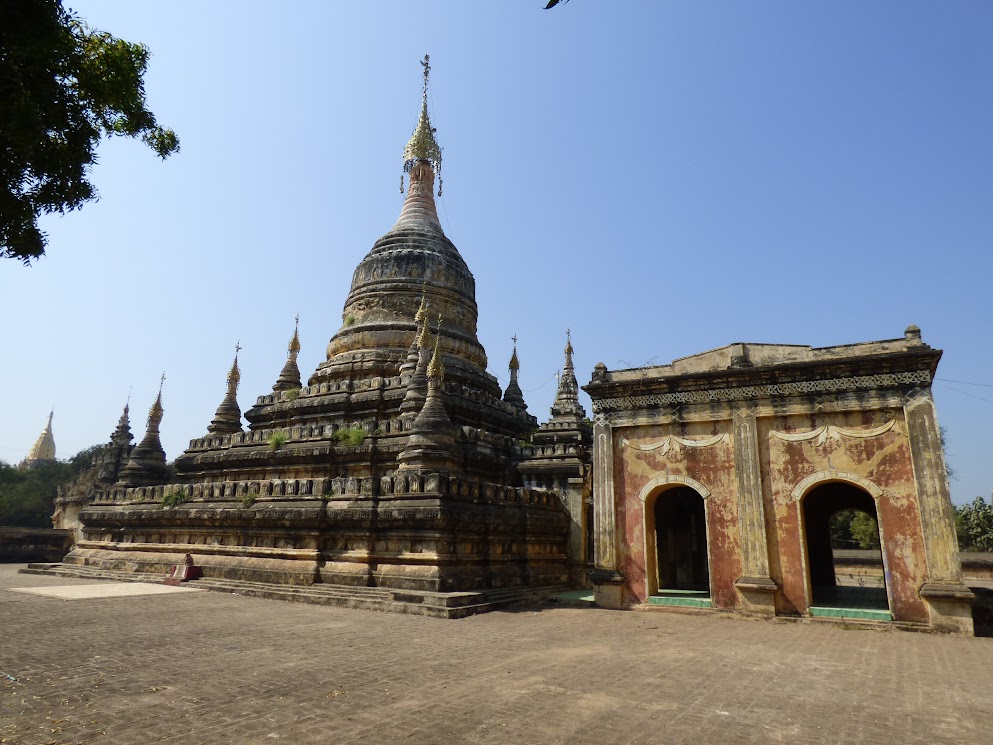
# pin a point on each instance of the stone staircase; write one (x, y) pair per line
(413, 602)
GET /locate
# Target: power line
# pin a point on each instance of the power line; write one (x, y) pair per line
(964, 382)
(970, 395)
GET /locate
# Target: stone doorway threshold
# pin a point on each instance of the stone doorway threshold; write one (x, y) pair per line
(412, 602)
(858, 603)
(681, 598)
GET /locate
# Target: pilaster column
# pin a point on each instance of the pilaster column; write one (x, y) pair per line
(755, 585)
(606, 579)
(948, 599)
(931, 479)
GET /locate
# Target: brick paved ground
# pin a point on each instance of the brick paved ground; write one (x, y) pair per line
(215, 668)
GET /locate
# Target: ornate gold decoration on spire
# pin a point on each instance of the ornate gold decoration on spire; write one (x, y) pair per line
(425, 336)
(422, 146)
(294, 346)
(422, 311)
(436, 368)
(155, 413)
(514, 362)
(234, 375)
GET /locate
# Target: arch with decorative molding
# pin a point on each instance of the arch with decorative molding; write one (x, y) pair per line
(822, 477)
(828, 476)
(650, 490)
(673, 480)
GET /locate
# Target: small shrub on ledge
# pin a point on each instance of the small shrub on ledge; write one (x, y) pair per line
(350, 435)
(277, 440)
(174, 498)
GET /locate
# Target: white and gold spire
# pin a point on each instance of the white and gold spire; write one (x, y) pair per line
(422, 145)
(44, 447)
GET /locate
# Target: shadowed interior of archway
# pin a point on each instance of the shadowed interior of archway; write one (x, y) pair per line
(681, 543)
(829, 589)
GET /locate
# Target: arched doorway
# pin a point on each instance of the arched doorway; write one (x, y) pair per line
(846, 574)
(679, 564)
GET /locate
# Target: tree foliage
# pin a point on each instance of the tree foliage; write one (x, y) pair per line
(27, 498)
(864, 530)
(63, 86)
(974, 525)
(854, 529)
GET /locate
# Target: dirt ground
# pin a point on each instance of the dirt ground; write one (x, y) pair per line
(207, 667)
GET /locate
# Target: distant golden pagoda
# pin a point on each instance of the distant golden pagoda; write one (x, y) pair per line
(43, 450)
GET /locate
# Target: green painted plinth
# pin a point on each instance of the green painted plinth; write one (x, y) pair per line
(673, 592)
(863, 614)
(584, 595)
(680, 600)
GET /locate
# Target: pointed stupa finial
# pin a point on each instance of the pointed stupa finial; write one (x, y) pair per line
(122, 434)
(513, 394)
(431, 444)
(422, 146)
(147, 464)
(436, 368)
(424, 339)
(234, 374)
(410, 363)
(289, 376)
(567, 396)
(294, 346)
(417, 367)
(227, 418)
(155, 413)
(422, 312)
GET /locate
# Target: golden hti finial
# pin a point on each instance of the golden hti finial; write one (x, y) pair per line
(436, 368)
(294, 346)
(234, 374)
(422, 311)
(422, 146)
(568, 342)
(424, 339)
(514, 362)
(155, 413)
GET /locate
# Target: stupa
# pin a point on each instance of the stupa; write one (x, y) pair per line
(43, 450)
(104, 471)
(394, 466)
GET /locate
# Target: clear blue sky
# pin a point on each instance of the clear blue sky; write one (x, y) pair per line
(660, 177)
